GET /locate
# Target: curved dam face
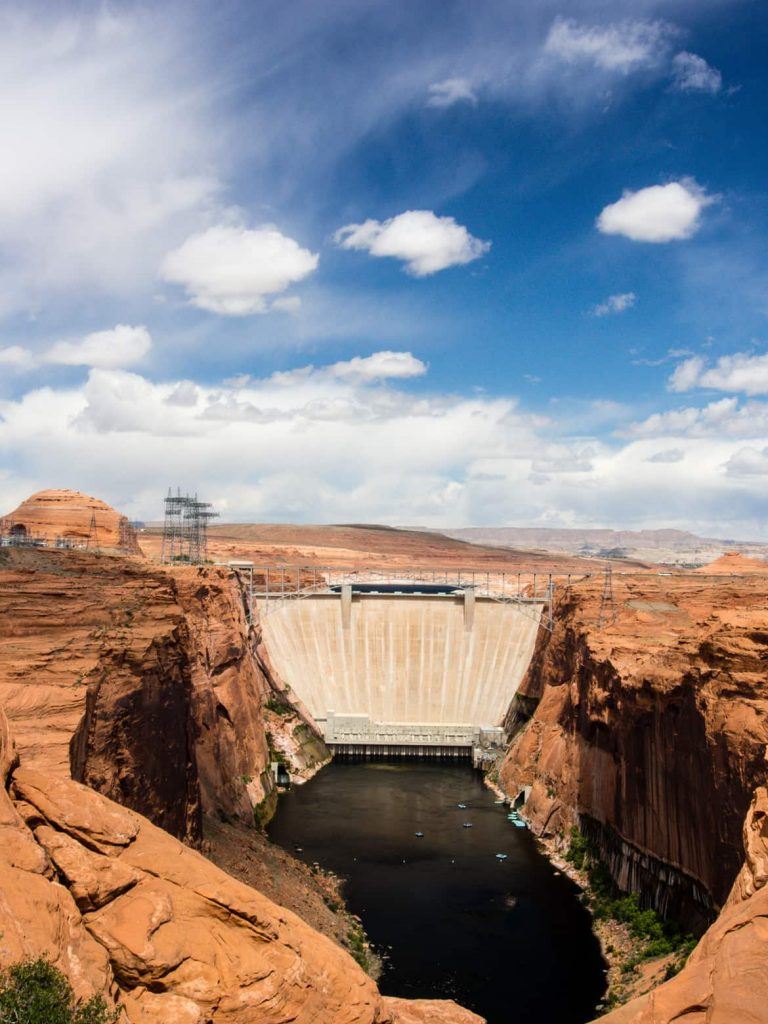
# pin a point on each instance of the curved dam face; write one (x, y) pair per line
(403, 670)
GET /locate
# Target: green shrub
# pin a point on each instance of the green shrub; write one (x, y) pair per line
(578, 849)
(358, 946)
(279, 707)
(35, 992)
(263, 812)
(654, 936)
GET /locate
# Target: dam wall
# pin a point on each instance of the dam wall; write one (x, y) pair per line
(403, 669)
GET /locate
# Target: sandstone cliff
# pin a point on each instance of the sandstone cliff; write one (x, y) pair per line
(145, 683)
(71, 517)
(649, 730)
(725, 980)
(126, 910)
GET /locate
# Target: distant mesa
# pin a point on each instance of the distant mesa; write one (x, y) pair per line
(66, 518)
(733, 562)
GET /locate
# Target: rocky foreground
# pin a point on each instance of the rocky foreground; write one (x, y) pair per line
(129, 912)
(151, 687)
(649, 732)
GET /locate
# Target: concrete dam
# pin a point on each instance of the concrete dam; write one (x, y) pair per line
(421, 669)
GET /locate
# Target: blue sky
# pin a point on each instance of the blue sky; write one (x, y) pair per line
(412, 262)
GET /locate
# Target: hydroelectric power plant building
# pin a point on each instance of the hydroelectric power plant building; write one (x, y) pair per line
(406, 666)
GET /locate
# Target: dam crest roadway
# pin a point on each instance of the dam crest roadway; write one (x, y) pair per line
(424, 662)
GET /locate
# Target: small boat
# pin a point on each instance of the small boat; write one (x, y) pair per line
(514, 816)
(419, 835)
(501, 800)
(467, 824)
(463, 807)
(518, 823)
(501, 856)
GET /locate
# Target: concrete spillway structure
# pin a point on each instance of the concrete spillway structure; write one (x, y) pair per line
(403, 670)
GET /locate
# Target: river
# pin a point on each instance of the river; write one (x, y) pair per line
(507, 938)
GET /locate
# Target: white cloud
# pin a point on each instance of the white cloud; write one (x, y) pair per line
(624, 46)
(660, 213)
(120, 346)
(450, 91)
(113, 150)
(686, 375)
(615, 304)
(233, 270)
(725, 417)
(379, 366)
(691, 73)
(748, 462)
(425, 242)
(358, 371)
(17, 358)
(335, 443)
(740, 372)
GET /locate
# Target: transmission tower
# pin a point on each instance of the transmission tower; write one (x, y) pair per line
(173, 527)
(185, 528)
(92, 543)
(126, 534)
(197, 515)
(607, 614)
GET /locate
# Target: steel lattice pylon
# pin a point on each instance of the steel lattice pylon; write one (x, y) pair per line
(607, 614)
(185, 528)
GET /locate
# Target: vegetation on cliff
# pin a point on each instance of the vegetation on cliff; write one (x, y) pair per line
(35, 992)
(651, 935)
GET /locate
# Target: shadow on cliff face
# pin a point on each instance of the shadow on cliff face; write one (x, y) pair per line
(649, 734)
(146, 684)
(129, 913)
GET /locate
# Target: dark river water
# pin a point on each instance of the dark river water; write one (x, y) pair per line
(506, 938)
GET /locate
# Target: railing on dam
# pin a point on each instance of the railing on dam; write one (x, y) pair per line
(418, 659)
(532, 592)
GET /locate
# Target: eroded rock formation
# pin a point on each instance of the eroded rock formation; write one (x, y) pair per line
(72, 517)
(649, 730)
(126, 910)
(144, 683)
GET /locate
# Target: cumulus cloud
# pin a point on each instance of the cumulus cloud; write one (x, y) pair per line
(336, 442)
(691, 73)
(379, 366)
(450, 91)
(687, 374)
(624, 46)
(615, 304)
(425, 242)
(726, 417)
(234, 270)
(119, 346)
(742, 372)
(660, 213)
